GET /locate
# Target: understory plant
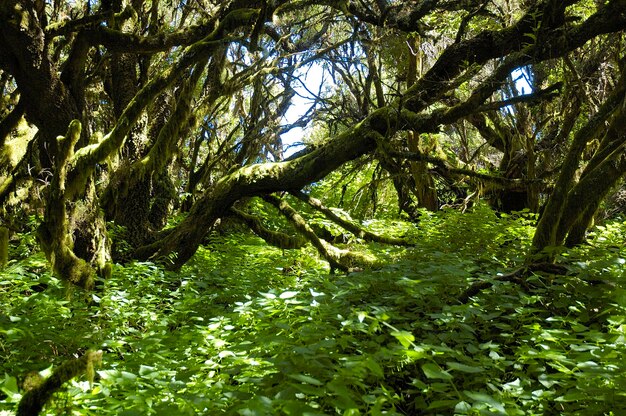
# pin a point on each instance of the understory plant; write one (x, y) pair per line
(246, 329)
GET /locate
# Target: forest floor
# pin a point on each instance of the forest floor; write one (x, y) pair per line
(247, 329)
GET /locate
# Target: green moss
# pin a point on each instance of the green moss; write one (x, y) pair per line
(4, 247)
(54, 234)
(34, 400)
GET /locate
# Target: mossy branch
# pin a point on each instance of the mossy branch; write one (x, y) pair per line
(362, 138)
(4, 247)
(547, 228)
(441, 165)
(66, 27)
(343, 260)
(274, 238)
(326, 250)
(10, 121)
(53, 233)
(88, 156)
(165, 144)
(34, 400)
(346, 224)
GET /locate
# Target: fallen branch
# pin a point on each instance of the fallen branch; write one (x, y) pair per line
(343, 260)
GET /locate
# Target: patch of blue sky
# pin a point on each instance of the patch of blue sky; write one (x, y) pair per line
(309, 84)
(522, 77)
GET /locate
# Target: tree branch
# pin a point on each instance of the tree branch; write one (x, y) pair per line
(34, 400)
(348, 225)
(274, 238)
(442, 165)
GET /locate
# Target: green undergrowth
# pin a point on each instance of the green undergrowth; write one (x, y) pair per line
(246, 329)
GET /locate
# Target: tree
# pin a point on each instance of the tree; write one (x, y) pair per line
(160, 99)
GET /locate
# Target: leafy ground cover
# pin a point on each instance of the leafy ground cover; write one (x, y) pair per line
(246, 329)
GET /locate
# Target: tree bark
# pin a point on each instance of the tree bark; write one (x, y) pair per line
(4, 247)
(424, 185)
(54, 232)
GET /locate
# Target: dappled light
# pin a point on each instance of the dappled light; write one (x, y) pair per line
(244, 328)
(312, 207)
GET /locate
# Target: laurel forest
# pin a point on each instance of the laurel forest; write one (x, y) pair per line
(312, 207)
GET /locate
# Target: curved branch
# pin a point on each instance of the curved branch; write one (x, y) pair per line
(87, 157)
(118, 41)
(274, 238)
(546, 233)
(34, 400)
(343, 260)
(442, 165)
(10, 121)
(348, 225)
(53, 232)
(326, 250)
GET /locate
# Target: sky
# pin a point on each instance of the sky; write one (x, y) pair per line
(312, 77)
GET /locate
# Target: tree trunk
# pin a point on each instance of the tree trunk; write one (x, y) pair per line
(562, 209)
(54, 232)
(424, 185)
(4, 247)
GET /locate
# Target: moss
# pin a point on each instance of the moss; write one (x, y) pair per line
(4, 247)
(34, 400)
(274, 238)
(14, 148)
(54, 235)
(73, 269)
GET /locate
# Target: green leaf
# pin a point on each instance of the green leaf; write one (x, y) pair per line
(464, 368)
(462, 407)
(288, 294)
(308, 389)
(128, 376)
(306, 379)
(479, 397)
(404, 337)
(226, 353)
(432, 370)
(441, 404)
(145, 369)
(572, 396)
(9, 387)
(374, 367)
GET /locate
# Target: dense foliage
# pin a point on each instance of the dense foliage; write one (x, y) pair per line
(117, 115)
(252, 330)
(312, 206)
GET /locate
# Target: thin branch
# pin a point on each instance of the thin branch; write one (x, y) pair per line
(442, 165)
(517, 277)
